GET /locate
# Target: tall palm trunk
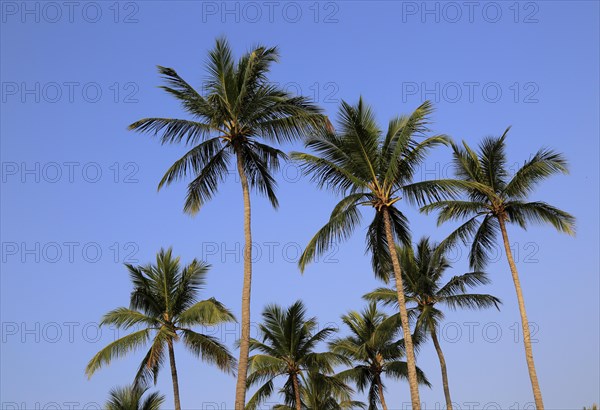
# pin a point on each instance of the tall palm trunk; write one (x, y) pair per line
(297, 391)
(240, 389)
(381, 396)
(537, 393)
(174, 375)
(410, 353)
(440, 354)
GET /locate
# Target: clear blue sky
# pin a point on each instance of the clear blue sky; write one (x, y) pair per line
(79, 191)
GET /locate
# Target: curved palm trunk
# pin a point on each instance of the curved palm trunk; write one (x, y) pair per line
(410, 353)
(240, 389)
(174, 375)
(297, 392)
(381, 396)
(537, 393)
(438, 349)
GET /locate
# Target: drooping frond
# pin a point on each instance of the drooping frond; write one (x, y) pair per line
(540, 213)
(209, 349)
(118, 348)
(342, 222)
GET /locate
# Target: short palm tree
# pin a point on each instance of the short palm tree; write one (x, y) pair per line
(287, 349)
(319, 391)
(375, 351)
(492, 199)
(423, 269)
(238, 110)
(373, 169)
(131, 398)
(164, 303)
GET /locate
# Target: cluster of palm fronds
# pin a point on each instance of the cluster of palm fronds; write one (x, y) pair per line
(235, 122)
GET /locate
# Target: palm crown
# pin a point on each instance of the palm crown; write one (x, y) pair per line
(375, 350)
(370, 169)
(423, 270)
(491, 195)
(322, 392)
(164, 303)
(287, 348)
(131, 398)
(239, 108)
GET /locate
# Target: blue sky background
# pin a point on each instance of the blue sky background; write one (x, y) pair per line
(541, 56)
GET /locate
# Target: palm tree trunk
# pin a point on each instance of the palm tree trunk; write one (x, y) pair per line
(410, 353)
(297, 392)
(174, 375)
(381, 396)
(240, 389)
(438, 349)
(537, 393)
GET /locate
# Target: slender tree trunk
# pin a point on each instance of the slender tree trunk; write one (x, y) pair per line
(381, 396)
(438, 349)
(537, 393)
(410, 353)
(297, 392)
(174, 375)
(240, 389)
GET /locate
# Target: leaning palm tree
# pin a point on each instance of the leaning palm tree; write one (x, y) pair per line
(375, 351)
(164, 303)
(376, 170)
(130, 398)
(238, 110)
(492, 200)
(319, 391)
(423, 271)
(287, 349)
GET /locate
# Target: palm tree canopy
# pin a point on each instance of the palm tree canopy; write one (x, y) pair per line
(375, 349)
(131, 398)
(423, 269)
(369, 167)
(238, 113)
(289, 340)
(489, 193)
(322, 392)
(164, 304)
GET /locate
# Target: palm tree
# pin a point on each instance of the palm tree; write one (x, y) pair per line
(375, 351)
(319, 391)
(130, 398)
(491, 201)
(164, 303)
(239, 108)
(375, 170)
(287, 349)
(422, 270)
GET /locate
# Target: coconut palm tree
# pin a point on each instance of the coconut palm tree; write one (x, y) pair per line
(376, 170)
(375, 351)
(492, 199)
(233, 121)
(287, 349)
(164, 304)
(319, 391)
(423, 270)
(130, 398)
